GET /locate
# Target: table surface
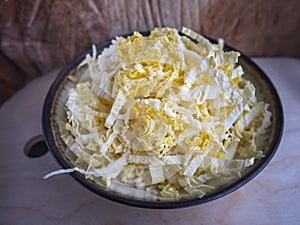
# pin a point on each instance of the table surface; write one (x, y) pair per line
(273, 197)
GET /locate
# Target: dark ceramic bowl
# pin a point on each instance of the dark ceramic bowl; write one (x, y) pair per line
(54, 111)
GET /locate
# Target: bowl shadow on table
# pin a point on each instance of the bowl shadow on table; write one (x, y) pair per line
(81, 205)
(92, 207)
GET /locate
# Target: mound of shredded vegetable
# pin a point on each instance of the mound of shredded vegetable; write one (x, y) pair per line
(166, 114)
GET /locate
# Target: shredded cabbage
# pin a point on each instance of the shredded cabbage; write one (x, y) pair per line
(163, 113)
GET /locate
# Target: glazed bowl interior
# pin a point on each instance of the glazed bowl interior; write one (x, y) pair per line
(54, 111)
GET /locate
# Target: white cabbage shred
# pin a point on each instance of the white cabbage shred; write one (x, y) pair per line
(164, 114)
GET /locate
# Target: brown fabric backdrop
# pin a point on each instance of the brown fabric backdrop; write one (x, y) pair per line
(40, 35)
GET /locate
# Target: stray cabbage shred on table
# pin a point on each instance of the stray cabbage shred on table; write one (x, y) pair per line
(166, 113)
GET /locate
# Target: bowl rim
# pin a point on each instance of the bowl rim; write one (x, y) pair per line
(55, 152)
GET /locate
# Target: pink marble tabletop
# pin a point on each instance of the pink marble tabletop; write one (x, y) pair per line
(273, 197)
